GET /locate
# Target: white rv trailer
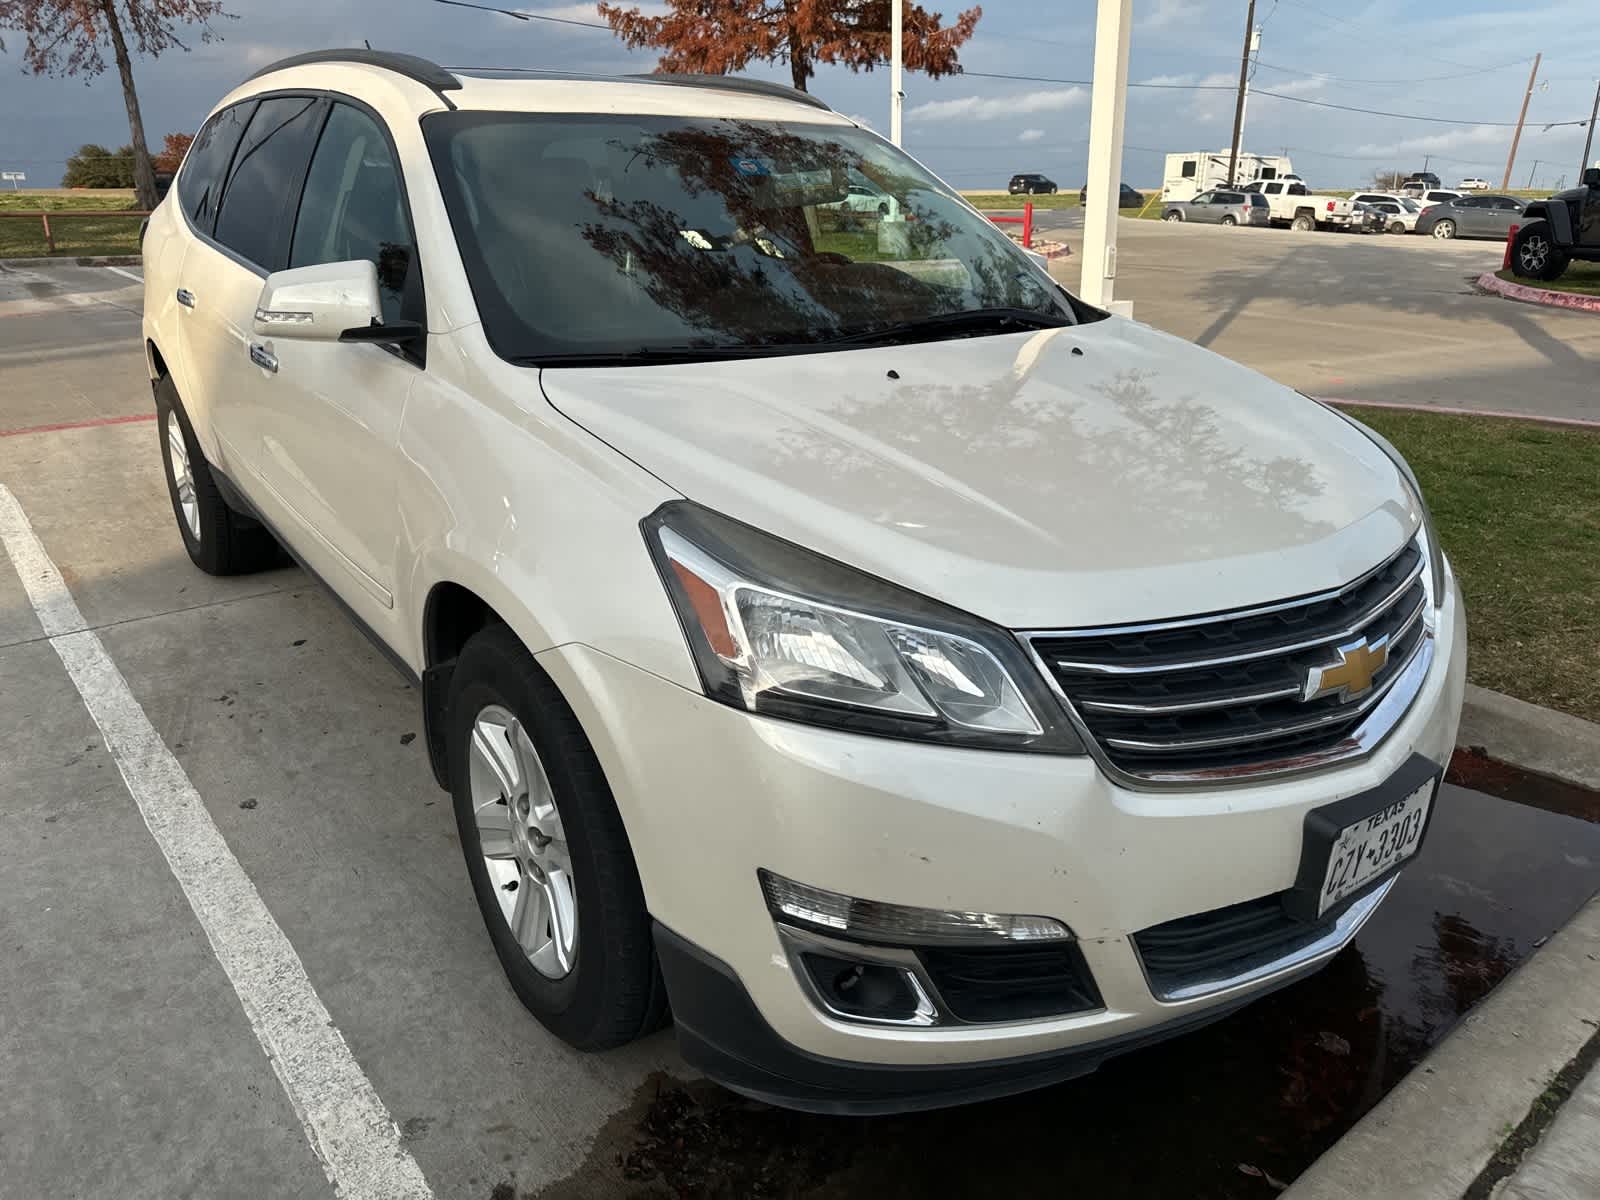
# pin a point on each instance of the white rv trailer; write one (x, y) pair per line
(1189, 174)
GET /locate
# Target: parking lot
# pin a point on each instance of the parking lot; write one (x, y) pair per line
(117, 1016)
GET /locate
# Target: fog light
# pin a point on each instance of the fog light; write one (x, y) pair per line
(898, 924)
(868, 991)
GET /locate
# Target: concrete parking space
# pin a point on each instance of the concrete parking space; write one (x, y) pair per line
(1370, 318)
(133, 1067)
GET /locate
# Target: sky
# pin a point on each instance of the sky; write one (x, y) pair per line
(1464, 63)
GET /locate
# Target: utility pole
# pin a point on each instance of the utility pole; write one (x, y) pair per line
(1516, 137)
(1532, 173)
(1107, 107)
(1244, 87)
(897, 95)
(1588, 140)
(1426, 159)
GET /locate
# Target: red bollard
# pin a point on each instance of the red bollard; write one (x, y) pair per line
(1027, 227)
(1511, 236)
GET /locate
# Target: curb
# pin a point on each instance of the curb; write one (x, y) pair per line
(1432, 1136)
(1536, 739)
(1449, 410)
(1490, 282)
(86, 260)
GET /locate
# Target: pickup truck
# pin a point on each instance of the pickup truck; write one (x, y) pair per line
(1295, 205)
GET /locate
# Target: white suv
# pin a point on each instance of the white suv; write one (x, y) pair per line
(822, 620)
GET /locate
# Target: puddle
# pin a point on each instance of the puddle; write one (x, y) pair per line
(1235, 1110)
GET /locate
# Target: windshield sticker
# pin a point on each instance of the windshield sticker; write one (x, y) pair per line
(752, 166)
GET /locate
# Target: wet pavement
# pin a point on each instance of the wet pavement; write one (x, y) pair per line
(1234, 1111)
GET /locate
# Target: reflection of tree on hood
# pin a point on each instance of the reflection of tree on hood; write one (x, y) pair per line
(757, 276)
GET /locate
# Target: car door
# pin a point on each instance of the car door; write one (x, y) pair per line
(210, 286)
(1503, 212)
(1467, 212)
(1198, 209)
(223, 272)
(331, 411)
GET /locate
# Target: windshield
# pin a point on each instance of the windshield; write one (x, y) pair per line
(1411, 205)
(588, 236)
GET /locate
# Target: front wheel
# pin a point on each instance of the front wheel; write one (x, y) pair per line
(546, 850)
(1534, 254)
(1051, 192)
(1444, 230)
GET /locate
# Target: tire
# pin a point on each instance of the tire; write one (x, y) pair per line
(1175, 217)
(1051, 192)
(607, 989)
(219, 540)
(1444, 230)
(1228, 221)
(1302, 223)
(1534, 254)
(883, 209)
(1397, 227)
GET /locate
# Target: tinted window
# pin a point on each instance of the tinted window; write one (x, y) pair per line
(612, 235)
(1227, 198)
(1258, 201)
(1188, 164)
(1297, 189)
(207, 163)
(353, 207)
(1508, 202)
(1202, 198)
(266, 178)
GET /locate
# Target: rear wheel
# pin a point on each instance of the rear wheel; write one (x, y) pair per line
(1302, 223)
(1397, 227)
(1173, 216)
(219, 540)
(546, 851)
(1444, 230)
(1534, 254)
(1229, 221)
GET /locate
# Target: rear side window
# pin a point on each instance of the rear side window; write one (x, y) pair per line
(267, 173)
(354, 208)
(200, 184)
(1258, 201)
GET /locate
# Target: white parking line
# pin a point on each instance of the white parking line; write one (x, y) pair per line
(350, 1130)
(139, 279)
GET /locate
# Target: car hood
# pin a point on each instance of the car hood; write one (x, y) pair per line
(1086, 475)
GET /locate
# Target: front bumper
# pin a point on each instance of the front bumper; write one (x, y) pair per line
(710, 795)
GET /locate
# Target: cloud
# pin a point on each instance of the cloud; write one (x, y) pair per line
(589, 12)
(1163, 13)
(1297, 87)
(1438, 143)
(994, 108)
(1030, 135)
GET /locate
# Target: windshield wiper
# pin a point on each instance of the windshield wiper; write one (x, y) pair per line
(972, 321)
(646, 356)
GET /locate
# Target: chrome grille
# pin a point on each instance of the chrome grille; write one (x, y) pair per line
(1221, 696)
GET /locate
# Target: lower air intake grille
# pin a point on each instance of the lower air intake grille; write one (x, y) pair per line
(1005, 983)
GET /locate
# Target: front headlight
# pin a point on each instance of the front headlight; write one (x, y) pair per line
(777, 629)
(1430, 537)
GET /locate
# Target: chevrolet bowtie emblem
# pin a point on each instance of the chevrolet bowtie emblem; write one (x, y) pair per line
(1351, 673)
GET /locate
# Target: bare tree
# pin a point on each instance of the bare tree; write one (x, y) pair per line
(69, 37)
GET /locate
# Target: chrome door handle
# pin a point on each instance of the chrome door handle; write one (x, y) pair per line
(263, 358)
(186, 297)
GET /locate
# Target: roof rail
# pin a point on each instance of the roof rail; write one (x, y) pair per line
(737, 83)
(420, 69)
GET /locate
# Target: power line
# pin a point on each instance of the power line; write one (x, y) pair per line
(1343, 28)
(525, 16)
(1389, 82)
(1403, 116)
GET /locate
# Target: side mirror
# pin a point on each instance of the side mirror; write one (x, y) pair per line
(319, 303)
(1591, 177)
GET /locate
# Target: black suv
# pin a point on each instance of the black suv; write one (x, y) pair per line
(1031, 185)
(1558, 230)
(1127, 197)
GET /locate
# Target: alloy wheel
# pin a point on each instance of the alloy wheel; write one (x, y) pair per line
(182, 477)
(1535, 254)
(523, 843)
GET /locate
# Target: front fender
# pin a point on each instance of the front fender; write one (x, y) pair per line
(1556, 215)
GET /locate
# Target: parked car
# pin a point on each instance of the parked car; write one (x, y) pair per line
(1393, 214)
(1031, 185)
(1556, 231)
(1221, 207)
(1127, 197)
(1473, 184)
(1295, 205)
(1471, 217)
(861, 199)
(1426, 196)
(926, 683)
(1424, 179)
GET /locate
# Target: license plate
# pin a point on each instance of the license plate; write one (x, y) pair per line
(1351, 845)
(1370, 847)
